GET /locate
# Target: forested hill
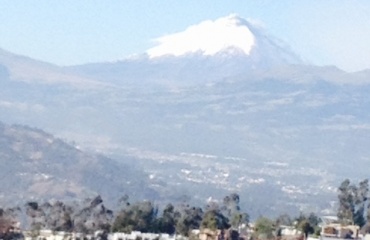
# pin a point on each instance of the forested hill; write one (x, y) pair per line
(37, 165)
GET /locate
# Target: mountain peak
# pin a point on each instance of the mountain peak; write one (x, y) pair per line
(208, 38)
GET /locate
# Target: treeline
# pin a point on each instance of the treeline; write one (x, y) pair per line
(91, 215)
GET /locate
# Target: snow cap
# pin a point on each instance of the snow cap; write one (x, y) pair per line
(208, 38)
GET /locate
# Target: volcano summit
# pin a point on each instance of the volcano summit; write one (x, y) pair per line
(227, 34)
(209, 51)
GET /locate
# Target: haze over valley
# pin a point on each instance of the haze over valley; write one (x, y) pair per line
(187, 120)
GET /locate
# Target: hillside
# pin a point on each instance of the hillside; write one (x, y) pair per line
(36, 165)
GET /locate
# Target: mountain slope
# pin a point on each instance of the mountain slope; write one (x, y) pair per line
(20, 68)
(36, 165)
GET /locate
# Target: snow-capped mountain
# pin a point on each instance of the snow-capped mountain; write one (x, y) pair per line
(225, 36)
(207, 52)
(208, 37)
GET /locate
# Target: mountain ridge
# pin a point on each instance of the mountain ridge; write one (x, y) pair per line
(21, 68)
(36, 165)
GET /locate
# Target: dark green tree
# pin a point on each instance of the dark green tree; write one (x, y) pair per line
(57, 216)
(283, 219)
(264, 228)
(313, 219)
(361, 203)
(353, 202)
(188, 218)
(306, 228)
(214, 219)
(36, 217)
(231, 210)
(346, 202)
(140, 216)
(167, 222)
(308, 224)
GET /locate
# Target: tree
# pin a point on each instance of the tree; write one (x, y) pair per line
(231, 209)
(264, 228)
(8, 217)
(313, 219)
(214, 219)
(167, 222)
(137, 217)
(36, 217)
(346, 202)
(352, 202)
(283, 219)
(188, 218)
(57, 216)
(231, 203)
(91, 216)
(308, 224)
(360, 201)
(306, 228)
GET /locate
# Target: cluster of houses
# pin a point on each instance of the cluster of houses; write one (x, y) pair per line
(330, 230)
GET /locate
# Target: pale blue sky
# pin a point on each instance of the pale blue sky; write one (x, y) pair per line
(66, 32)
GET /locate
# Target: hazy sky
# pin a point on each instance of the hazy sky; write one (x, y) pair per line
(67, 32)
